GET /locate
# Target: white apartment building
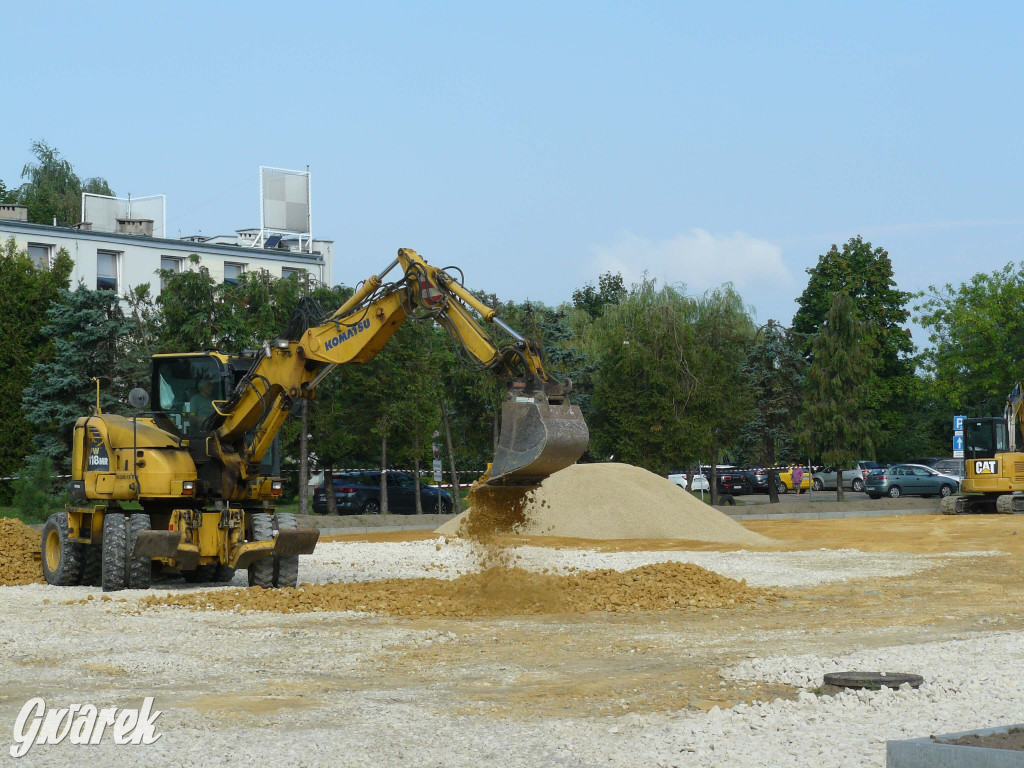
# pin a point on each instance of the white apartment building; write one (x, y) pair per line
(125, 258)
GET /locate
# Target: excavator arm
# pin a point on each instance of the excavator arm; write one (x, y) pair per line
(1012, 414)
(541, 432)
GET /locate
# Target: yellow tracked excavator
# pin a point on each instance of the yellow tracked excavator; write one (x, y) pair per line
(202, 462)
(993, 467)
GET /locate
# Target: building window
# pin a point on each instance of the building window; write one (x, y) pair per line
(287, 272)
(40, 254)
(169, 264)
(106, 270)
(233, 273)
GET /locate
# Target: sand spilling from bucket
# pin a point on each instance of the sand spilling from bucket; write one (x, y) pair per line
(606, 501)
(497, 591)
(19, 549)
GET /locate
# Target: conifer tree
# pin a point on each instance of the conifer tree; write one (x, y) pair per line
(835, 425)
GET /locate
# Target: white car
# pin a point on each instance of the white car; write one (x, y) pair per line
(700, 483)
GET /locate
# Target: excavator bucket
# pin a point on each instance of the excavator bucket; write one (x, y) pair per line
(540, 434)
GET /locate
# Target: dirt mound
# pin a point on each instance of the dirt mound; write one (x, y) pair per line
(19, 546)
(608, 501)
(495, 592)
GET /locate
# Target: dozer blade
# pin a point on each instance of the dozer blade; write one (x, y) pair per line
(540, 435)
(156, 544)
(299, 541)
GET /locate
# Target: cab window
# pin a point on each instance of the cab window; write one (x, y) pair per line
(184, 388)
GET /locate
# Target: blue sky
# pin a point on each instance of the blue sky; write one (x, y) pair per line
(537, 145)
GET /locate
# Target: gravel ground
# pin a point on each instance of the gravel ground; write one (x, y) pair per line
(349, 689)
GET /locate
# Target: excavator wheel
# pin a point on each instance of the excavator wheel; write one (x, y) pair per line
(61, 558)
(261, 572)
(115, 552)
(140, 569)
(223, 574)
(286, 567)
(92, 565)
(948, 505)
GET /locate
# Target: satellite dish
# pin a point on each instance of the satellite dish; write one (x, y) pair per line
(138, 397)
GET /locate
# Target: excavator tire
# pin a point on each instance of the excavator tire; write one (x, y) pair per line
(261, 572)
(286, 567)
(61, 559)
(92, 565)
(115, 552)
(140, 569)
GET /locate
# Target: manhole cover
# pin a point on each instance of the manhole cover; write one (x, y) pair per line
(872, 680)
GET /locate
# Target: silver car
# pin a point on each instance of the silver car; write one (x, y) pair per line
(825, 479)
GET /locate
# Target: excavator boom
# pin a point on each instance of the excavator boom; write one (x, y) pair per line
(541, 431)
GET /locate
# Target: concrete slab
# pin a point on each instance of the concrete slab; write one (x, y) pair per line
(935, 752)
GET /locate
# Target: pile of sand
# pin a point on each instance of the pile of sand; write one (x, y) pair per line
(19, 547)
(495, 592)
(611, 501)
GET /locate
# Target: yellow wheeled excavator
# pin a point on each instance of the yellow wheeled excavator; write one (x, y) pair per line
(993, 467)
(201, 462)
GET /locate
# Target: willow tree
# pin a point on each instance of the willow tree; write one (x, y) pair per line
(835, 423)
(52, 190)
(668, 384)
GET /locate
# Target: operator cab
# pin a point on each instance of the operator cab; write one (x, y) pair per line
(185, 387)
(188, 388)
(985, 437)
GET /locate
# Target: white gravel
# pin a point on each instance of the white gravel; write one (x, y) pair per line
(360, 561)
(103, 653)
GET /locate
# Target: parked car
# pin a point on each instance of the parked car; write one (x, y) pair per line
(755, 480)
(700, 483)
(825, 479)
(358, 493)
(951, 467)
(730, 480)
(909, 480)
(866, 467)
(786, 480)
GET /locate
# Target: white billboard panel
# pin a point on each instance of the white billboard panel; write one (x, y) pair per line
(285, 200)
(103, 211)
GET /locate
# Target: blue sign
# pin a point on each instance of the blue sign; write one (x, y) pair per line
(958, 423)
(958, 442)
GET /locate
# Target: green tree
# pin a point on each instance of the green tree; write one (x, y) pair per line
(27, 291)
(199, 313)
(669, 386)
(833, 425)
(7, 196)
(88, 329)
(774, 371)
(53, 191)
(610, 290)
(865, 274)
(976, 332)
(33, 490)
